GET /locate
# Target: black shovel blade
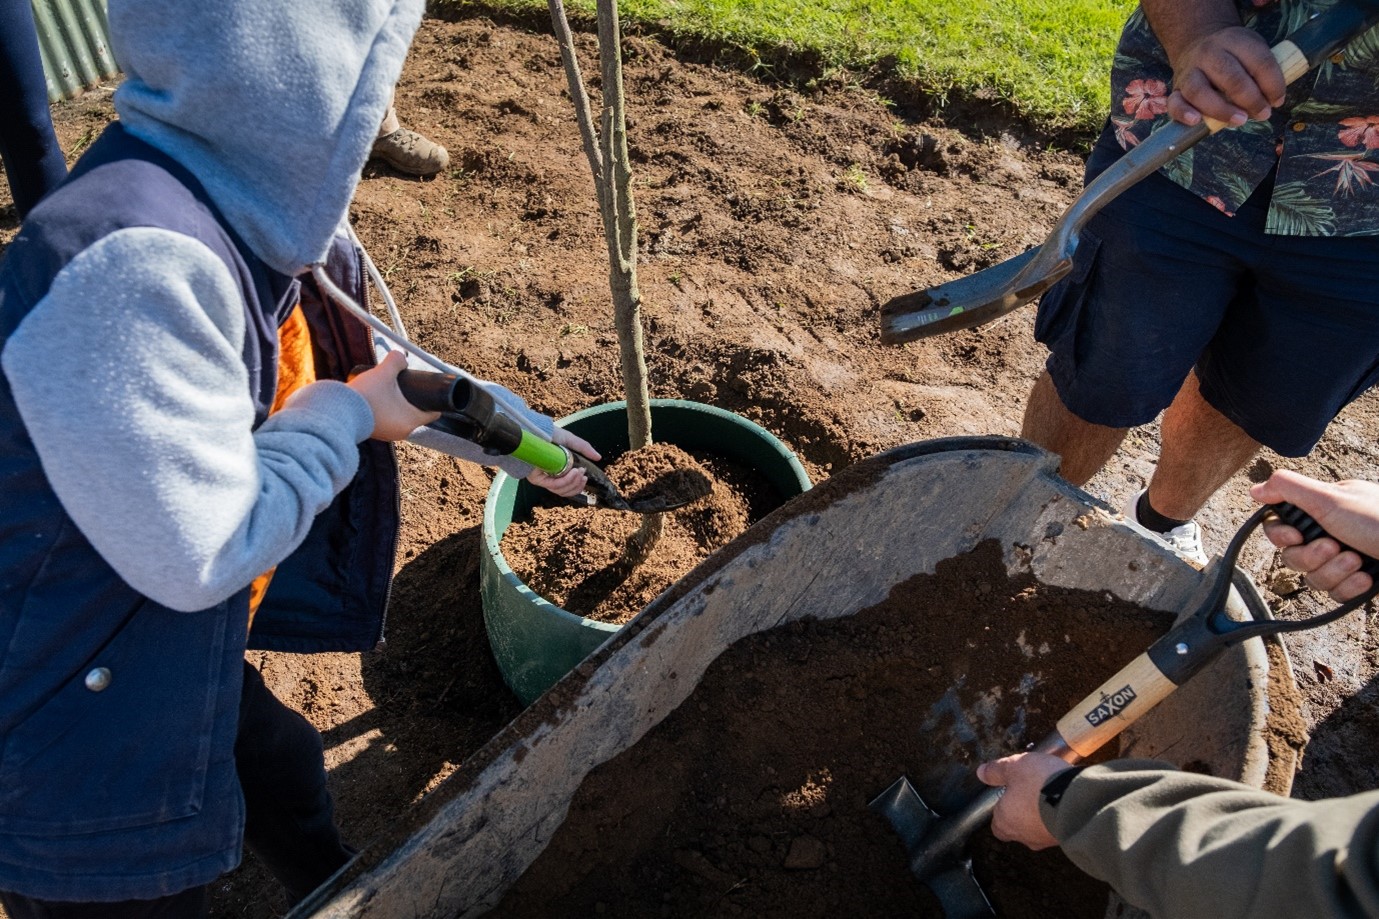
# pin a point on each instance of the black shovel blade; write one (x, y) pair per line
(951, 881)
(669, 491)
(673, 491)
(970, 301)
(659, 504)
(959, 893)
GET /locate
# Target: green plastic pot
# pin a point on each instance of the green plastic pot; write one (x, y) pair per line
(536, 642)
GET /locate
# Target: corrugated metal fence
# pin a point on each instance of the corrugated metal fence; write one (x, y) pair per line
(74, 39)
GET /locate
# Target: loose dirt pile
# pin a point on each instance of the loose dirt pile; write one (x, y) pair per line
(775, 219)
(584, 561)
(750, 799)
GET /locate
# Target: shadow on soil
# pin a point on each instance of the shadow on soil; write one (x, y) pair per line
(1339, 759)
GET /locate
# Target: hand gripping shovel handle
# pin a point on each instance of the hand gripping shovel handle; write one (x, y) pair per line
(1134, 690)
(1194, 643)
(993, 292)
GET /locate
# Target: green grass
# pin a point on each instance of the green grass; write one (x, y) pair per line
(1048, 59)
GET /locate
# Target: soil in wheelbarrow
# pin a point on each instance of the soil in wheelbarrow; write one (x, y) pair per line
(750, 799)
(581, 560)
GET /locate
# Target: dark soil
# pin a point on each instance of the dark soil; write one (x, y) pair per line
(775, 220)
(751, 798)
(591, 564)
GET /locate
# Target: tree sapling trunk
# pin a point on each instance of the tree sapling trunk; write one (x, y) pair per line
(606, 149)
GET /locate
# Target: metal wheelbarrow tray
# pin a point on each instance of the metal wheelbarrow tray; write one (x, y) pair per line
(857, 534)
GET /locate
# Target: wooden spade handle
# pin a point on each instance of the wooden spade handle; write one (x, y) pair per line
(1114, 706)
(1294, 64)
(1292, 59)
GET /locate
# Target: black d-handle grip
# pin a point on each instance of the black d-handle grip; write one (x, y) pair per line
(1311, 531)
(1197, 640)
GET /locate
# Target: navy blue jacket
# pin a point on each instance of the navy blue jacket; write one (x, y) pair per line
(118, 715)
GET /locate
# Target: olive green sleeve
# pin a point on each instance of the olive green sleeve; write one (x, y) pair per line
(1181, 844)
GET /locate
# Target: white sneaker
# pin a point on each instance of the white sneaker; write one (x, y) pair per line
(1185, 540)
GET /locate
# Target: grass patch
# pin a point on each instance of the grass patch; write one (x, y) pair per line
(1047, 59)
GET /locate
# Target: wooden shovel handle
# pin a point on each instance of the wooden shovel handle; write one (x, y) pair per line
(1114, 706)
(1294, 64)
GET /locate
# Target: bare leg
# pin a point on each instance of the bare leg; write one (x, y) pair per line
(1200, 449)
(390, 122)
(1084, 447)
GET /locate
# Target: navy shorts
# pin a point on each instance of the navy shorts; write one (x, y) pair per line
(1283, 330)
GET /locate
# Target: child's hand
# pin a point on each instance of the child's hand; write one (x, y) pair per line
(573, 480)
(394, 418)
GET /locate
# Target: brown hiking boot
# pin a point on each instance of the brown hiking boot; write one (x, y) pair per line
(409, 152)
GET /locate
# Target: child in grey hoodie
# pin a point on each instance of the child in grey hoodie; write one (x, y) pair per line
(175, 429)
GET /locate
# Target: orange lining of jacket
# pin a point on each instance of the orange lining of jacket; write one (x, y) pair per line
(296, 368)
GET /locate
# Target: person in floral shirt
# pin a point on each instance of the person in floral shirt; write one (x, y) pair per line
(1233, 290)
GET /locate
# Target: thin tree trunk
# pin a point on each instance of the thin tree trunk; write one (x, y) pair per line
(622, 239)
(609, 162)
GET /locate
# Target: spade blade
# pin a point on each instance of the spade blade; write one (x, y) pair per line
(675, 490)
(919, 829)
(962, 303)
(959, 893)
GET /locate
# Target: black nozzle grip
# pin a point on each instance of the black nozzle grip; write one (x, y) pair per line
(430, 392)
(466, 410)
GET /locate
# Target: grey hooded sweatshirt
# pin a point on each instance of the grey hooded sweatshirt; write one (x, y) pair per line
(273, 107)
(141, 494)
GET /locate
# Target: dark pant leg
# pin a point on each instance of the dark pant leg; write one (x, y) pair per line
(289, 814)
(33, 160)
(189, 904)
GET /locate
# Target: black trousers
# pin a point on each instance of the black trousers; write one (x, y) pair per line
(289, 815)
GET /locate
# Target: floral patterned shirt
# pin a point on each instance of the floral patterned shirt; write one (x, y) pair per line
(1324, 138)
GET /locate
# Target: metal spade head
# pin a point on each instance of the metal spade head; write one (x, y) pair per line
(934, 850)
(673, 491)
(995, 291)
(971, 301)
(670, 490)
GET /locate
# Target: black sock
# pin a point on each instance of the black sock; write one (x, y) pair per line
(1151, 519)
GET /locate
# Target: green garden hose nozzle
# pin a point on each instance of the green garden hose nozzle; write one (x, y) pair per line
(468, 411)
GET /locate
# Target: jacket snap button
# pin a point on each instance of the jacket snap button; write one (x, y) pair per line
(1298, 126)
(98, 679)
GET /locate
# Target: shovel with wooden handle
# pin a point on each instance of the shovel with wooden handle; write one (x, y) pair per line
(995, 291)
(935, 844)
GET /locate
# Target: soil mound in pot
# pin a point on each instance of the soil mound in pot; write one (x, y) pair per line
(751, 798)
(576, 558)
